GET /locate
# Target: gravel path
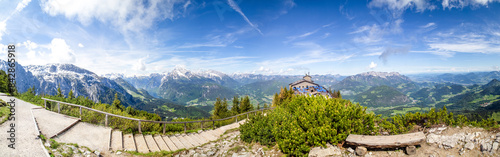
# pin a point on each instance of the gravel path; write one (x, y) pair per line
(26, 133)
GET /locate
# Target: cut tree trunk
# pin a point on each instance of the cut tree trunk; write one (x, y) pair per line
(393, 141)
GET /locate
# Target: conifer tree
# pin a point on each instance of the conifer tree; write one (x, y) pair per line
(4, 85)
(70, 94)
(236, 105)
(59, 93)
(245, 105)
(116, 102)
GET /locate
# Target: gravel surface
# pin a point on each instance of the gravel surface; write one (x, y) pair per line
(84, 134)
(26, 133)
(51, 123)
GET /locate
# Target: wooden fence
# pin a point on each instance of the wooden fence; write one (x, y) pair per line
(150, 121)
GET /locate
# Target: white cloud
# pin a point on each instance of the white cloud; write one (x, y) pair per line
(127, 15)
(61, 52)
(430, 24)
(312, 54)
(80, 45)
(140, 65)
(238, 9)
(463, 3)
(478, 42)
(399, 6)
(372, 65)
(368, 34)
(22, 4)
(3, 29)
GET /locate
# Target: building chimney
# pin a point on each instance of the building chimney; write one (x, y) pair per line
(308, 78)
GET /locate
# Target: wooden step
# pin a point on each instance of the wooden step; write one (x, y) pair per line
(152, 145)
(211, 135)
(140, 142)
(193, 140)
(169, 143)
(129, 142)
(116, 140)
(177, 142)
(201, 140)
(208, 136)
(161, 144)
(185, 141)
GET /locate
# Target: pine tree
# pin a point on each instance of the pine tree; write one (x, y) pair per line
(116, 102)
(70, 94)
(224, 111)
(265, 105)
(217, 108)
(236, 105)
(4, 85)
(59, 93)
(245, 105)
(275, 99)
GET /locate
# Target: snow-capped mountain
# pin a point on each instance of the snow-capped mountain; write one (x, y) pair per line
(81, 81)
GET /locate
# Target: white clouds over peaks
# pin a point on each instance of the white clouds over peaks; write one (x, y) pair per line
(128, 15)
(61, 52)
(372, 65)
(80, 45)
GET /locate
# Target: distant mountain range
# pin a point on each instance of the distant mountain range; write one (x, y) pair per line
(185, 93)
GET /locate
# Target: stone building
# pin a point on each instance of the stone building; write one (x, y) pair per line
(306, 86)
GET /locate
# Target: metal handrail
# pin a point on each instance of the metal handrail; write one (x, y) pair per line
(151, 121)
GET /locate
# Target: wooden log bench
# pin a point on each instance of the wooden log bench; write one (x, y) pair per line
(409, 141)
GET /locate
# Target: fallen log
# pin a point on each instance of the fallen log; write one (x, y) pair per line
(392, 141)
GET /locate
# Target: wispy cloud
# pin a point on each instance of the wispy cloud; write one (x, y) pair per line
(430, 24)
(389, 51)
(292, 38)
(398, 7)
(312, 54)
(368, 34)
(463, 3)
(238, 9)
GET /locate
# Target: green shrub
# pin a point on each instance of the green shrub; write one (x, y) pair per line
(303, 122)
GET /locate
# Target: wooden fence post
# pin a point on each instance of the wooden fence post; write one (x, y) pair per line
(106, 121)
(236, 119)
(201, 125)
(213, 124)
(164, 125)
(140, 132)
(45, 103)
(58, 108)
(185, 128)
(80, 112)
(247, 116)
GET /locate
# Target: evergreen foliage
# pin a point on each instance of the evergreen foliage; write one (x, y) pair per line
(307, 121)
(70, 94)
(236, 105)
(220, 109)
(245, 105)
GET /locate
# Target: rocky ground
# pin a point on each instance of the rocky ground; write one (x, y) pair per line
(440, 141)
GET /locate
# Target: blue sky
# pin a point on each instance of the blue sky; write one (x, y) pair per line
(256, 36)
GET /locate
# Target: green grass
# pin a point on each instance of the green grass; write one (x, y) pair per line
(4, 113)
(495, 116)
(486, 98)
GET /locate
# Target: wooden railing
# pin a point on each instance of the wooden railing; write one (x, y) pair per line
(150, 121)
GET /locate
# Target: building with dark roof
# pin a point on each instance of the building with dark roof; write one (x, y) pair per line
(306, 86)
